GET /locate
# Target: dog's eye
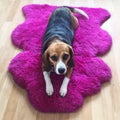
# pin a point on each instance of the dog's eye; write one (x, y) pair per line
(54, 58)
(65, 56)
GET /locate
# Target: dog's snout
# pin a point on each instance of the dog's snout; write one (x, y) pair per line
(61, 70)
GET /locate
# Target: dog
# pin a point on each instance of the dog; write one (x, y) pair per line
(57, 52)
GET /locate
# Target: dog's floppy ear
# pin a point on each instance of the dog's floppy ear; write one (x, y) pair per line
(45, 60)
(71, 61)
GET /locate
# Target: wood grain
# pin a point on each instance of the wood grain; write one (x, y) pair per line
(14, 104)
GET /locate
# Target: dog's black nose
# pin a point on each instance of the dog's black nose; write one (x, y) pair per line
(61, 70)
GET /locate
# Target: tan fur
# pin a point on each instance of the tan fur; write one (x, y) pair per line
(74, 21)
(69, 72)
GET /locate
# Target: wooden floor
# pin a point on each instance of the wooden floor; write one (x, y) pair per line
(14, 104)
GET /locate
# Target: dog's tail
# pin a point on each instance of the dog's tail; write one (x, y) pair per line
(76, 10)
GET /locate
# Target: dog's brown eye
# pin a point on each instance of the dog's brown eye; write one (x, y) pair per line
(65, 56)
(54, 58)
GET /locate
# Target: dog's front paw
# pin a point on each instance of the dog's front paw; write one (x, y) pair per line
(63, 91)
(49, 89)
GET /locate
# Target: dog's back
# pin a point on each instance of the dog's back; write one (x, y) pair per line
(59, 26)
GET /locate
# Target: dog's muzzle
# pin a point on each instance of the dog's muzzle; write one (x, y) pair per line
(60, 68)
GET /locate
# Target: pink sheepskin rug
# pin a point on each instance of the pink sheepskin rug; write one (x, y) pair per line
(90, 42)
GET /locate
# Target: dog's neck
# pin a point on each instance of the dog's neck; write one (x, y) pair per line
(55, 40)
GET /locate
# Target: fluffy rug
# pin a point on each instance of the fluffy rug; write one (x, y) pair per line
(89, 73)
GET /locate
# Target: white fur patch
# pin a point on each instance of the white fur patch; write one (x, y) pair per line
(81, 12)
(49, 86)
(60, 64)
(63, 89)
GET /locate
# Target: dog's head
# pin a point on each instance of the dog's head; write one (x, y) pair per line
(58, 55)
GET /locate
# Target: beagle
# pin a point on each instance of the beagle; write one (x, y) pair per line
(57, 52)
